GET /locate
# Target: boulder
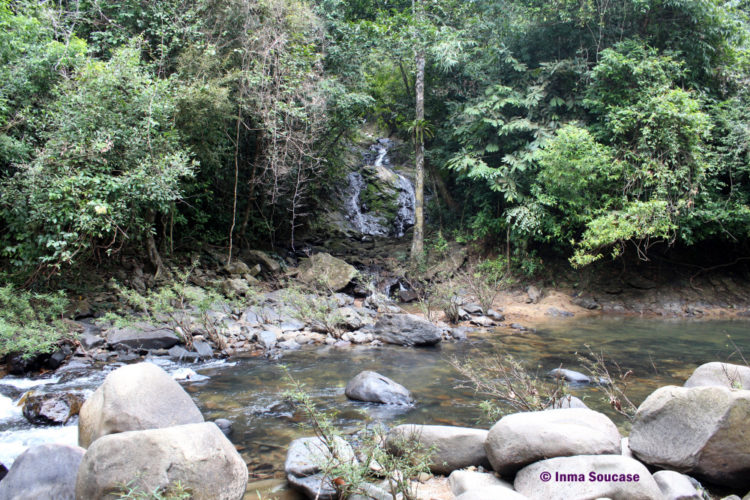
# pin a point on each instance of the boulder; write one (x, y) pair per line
(453, 447)
(304, 462)
(235, 287)
(569, 376)
(720, 375)
(406, 329)
(696, 430)
(142, 336)
(198, 456)
(267, 339)
(323, 268)
(534, 295)
(135, 397)
(267, 263)
(614, 477)
(52, 409)
(676, 486)
(237, 268)
(375, 388)
(465, 480)
(43, 472)
(523, 438)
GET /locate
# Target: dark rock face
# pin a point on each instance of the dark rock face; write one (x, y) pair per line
(375, 388)
(52, 409)
(142, 336)
(43, 472)
(406, 329)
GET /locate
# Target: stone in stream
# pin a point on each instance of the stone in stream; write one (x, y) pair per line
(523, 438)
(701, 431)
(676, 486)
(224, 425)
(373, 387)
(543, 479)
(569, 376)
(43, 472)
(323, 268)
(305, 460)
(482, 321)
(203, 349)
(142, 336)
(406, 329)
(198, 456)
(721, 375)
(453, 447)
(135, 397)
(52, 409)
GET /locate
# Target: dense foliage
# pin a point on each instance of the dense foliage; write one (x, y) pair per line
(589, 128)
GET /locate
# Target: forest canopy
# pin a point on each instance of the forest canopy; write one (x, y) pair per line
(587, 128)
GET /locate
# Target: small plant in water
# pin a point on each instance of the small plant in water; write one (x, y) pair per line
(373, 462)
(612, 380)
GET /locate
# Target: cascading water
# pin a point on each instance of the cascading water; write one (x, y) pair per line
(364, 218)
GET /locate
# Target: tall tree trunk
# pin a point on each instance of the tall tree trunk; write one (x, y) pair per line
(417, 244)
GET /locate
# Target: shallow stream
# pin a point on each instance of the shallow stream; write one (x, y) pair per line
(249, 391)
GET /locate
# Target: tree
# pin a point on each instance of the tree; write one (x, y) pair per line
(417, 246)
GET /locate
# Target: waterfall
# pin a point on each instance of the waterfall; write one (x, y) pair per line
(370, 222)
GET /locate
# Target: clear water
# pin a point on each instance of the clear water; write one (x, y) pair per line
(250, 391)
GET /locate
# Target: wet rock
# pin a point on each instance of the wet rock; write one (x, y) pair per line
(135, 397)
(454, 447)
(19, 364)
(407, 295)
(700, 431)
(534, 295)
(559, 313)
(569, 376)
(462, 481)
(203, 349)
(406, 329)
(43, 472)
(375, 388)
(3, 471)
(142, 336)
(199, 456)
(460, 333)
(676, 486)
(304, 462)
(522, 438)
(530, 480)
(720, 375)
(323, 268)
(224, 425)
(58, 357)
(180, 353)
(52, 409)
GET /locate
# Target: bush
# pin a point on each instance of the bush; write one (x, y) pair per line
(30, 323)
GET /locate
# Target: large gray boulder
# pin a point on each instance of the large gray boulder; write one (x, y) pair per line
(135, 397)
(326, 270)
(720, 375)
(699, 431)
(142, 336)
(406, 329)
(563, 478)
(453, 447)
(676, 486)
(305, 461)
(198, 456)
(523, 438)
(46, 472)
(375, 388)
